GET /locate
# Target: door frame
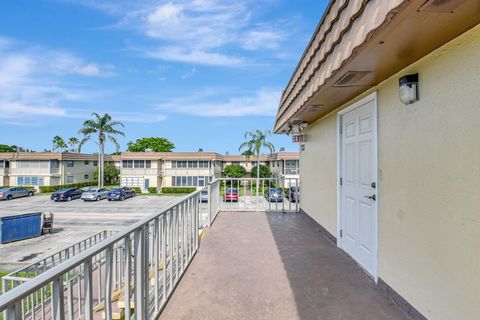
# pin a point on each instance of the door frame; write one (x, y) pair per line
(370, 98)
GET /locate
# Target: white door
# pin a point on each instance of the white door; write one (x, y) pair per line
(358, 184)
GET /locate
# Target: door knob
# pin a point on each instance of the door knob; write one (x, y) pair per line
(372, 197)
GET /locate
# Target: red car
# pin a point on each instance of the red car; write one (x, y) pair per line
(231, 195)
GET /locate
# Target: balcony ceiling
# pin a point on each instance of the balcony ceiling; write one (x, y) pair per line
(359, 44)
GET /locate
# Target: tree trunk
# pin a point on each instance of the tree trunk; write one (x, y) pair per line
(101, 163)
(258, 171)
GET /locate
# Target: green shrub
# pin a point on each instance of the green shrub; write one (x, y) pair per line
(178, 190)
(234, 171)
(137, 189)
(45, 189)
(152, 190)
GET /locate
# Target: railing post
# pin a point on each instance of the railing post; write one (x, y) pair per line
(58, 309)
(210, 201)
(108, 282)
(127, 276)
(13, 312)
(88, 290)
(139, 257)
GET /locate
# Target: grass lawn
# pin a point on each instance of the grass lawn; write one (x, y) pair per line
(28, 302)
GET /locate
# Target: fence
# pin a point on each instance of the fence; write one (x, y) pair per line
(251, 194)
(131, 273)
(134, 272)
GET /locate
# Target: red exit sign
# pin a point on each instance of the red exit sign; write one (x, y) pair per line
(298, 138)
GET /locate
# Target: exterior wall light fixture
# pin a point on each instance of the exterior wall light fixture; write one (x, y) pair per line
(409, 88)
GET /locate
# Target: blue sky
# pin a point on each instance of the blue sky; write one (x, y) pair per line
(198, 72)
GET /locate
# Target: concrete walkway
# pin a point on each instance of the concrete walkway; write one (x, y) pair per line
(274, 266)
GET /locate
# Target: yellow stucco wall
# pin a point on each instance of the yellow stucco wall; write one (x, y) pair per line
(318, 173)
(429, 182)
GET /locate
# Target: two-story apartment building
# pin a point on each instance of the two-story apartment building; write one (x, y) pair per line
(46, 168)
(169, 169)
(137, 169)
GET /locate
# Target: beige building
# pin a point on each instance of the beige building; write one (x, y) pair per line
(137, 169)
(387, 96)
(46, 168)
(169, 169)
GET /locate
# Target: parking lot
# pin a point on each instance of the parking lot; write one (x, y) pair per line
(73, 222)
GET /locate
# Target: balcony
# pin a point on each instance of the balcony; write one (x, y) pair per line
(140, 171)
(258, 259)
(34, 171)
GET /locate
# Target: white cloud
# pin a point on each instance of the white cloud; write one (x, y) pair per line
(181, 54)
(205, 32)
(261, 103)
(262, 39)
(34, 83)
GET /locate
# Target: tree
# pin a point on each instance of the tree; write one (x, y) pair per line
(264, 171)
(59, 143)
(257, 142)
(155, 144)
(105, 129)
(234, 171)
(111, 174)
(73, 142)
(248, 153)
(7, 148)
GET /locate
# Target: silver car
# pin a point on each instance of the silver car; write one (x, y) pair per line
(14, 192)
(95, 194)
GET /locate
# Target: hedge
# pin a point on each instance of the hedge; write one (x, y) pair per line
(26, 187)
(178, 190)
(152, 190)
(137, 189)
(44, 189)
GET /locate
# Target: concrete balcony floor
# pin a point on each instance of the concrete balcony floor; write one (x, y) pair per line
(253, 265)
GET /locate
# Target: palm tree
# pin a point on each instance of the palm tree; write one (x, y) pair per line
(59, 143)
(105, 129)
(73, 142)
(257, 142)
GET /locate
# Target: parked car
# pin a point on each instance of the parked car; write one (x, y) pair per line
(120, 194)
(16, 192)
(67, 194)
(95, 194)
(204, 196)
(231, 195)
(274, 195)
(293, 194)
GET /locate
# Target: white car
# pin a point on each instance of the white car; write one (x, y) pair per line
(95, 194)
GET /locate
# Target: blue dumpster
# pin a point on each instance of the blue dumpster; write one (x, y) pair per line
(20, 227)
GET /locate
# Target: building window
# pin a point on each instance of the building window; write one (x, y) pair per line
(86, 177)
(70, 179)
(2, 164)
(139, 164)
(95, 163)
(54, 164)
(70, 163)
(291, 166)
(148, 164)
(29, 181)
(190, 181)
(132, 181)
(86, 162)
(127, 163)
(190, 164)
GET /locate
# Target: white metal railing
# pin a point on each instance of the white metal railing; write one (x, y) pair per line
(19, 276)
(270, 194)
(131, 273)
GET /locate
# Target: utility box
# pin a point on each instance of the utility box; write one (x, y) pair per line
(20, 227)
